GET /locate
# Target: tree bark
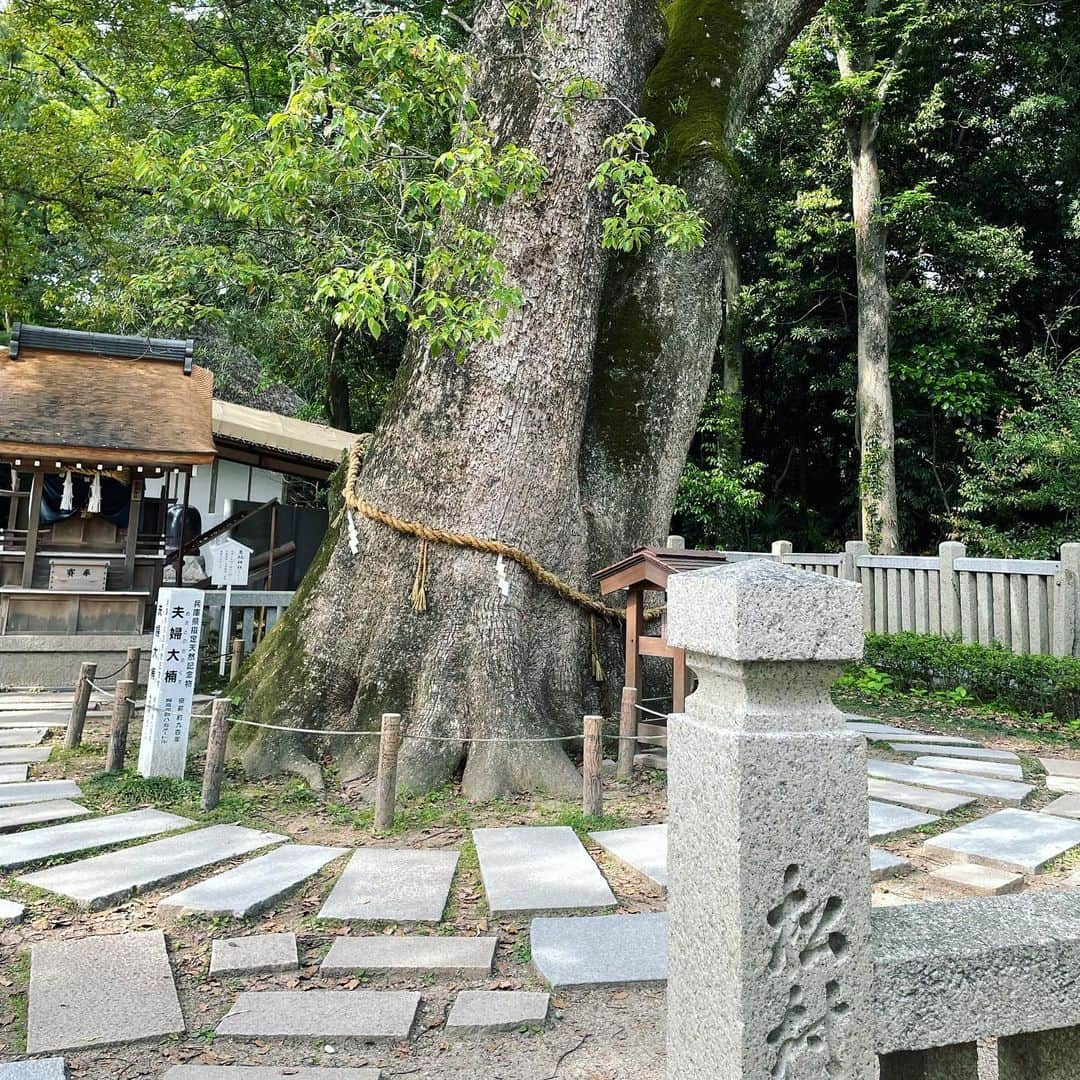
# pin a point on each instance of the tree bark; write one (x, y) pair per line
(338, 403)
(874, 408)
(731, 348)
(488, 446)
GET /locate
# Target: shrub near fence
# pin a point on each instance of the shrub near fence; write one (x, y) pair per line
(1023, 605)
(1031, 684)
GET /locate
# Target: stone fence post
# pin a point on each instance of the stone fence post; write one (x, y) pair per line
(780, 548)
(1066, 602)
(769, 875)
(948, 553)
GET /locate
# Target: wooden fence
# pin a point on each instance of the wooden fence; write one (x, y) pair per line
(1027, 605)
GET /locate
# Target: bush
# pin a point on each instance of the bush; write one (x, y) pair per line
(991, 675)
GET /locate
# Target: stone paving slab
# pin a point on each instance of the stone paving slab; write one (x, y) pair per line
(1067, 806)
(477, 1012)
(976, 753)
(543, 868)
(644, 848)
(52, 1068)
(884, 864)
(254, 954)
(37, 844)
(1055, 766)
(1005, 790)
(35, 717)
(981, 880)
(255, 885)
(397, 885)
(97, 991)
(15, 755)
(38, 791)
(1011, 840)
(21, 736)
(886, 818)
(12, 773)
(888, 733)
(601, 950)
(105, 879)
(1067, 784)
(1005, 770)
(265, 1072)
(365, 1014)
(445, 955)
(921, 798)
(12, 817)
(11, 912)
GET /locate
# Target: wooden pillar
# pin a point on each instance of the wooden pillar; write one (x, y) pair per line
(592, 792)
(131, 667)
(680, 680)
(183, 528)
(132, 539)
(118, 730)
(77, 720)
(32, 528)
(627, 732)
(634, 629)
(386, 780)
(215, 754)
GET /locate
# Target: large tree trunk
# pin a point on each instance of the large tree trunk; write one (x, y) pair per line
(731, 350)
(874, 409)
(488, 446)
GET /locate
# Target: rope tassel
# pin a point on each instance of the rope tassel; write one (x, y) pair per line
(419, 585)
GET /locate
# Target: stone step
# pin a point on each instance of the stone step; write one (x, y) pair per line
(534, 869)
(1005, 790)
(14, 817)
(11, 773)
(1016, 840)
(886, 818)
(53, 1068)
(265, 1072)
(324, 1014)
(36, 718)
(643, 847)
(884, 864)
(1068, 767)
(976, 753)
(920, 798)
(255, 954)
(393, 885)
(580, 952)
(478, 1012)
(1004, 770)
(99, 991)
(888, 733)
(11, 912)
(16, 755)
(38, 791)
(473, 956)
(980, 880)
(1067, 806)
(37, 844)
(107, 879)
(21, 736)
(253, 886)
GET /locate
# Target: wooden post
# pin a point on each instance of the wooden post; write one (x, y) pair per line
(215, 753)
(386, 782)
(131, 668)
(118, 731)
(73, 737)
(237, 658)
(635, 628)
(32, 526)
(131, 541)
(627, 732)
(592, 793)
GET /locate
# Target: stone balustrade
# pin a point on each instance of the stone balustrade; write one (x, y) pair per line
(777, 970)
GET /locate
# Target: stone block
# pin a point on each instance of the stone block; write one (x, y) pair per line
(1017, 840)
(35, 1069)
(533, 869)
(1068, 767)
(472, 956)
(395, 886)
(981, 880)
(325, 1014)
(38, 791)
(21, 736)
(254, 885)
(14, 817)
(254, 955)
(941, 1063)
(1068, 784)
(883, 864)
(885, 818)
(959, 971)
(16, 755)
(1005, 770)
(975, 753)
(748, 611)
(601, 950)
(478, 1012)
(1043, 1055)
(9, 773)
(942, 780)
(266, 1072)
(643, 847)
(98, 991)
(924, 798)
(1067, 806)
(22, 848)
(11, 912)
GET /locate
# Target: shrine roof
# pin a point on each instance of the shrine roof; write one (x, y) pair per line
(650, 568)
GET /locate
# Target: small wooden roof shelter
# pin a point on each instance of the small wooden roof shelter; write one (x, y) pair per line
(644, 570)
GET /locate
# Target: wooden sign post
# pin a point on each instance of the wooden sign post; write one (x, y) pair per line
(229, 566)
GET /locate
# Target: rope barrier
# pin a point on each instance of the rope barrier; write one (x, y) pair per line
(100, 689)
(651, 712)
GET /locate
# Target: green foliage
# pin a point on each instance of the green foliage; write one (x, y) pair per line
(1020, 491)
(967, 673)
(867, 680)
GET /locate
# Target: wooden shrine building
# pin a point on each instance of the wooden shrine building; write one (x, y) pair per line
(87, 423)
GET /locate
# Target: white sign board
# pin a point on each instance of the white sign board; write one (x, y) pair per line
(229, 563)
(174, 659)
